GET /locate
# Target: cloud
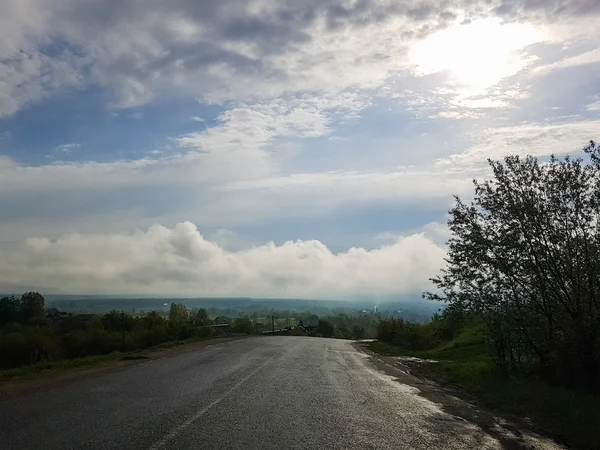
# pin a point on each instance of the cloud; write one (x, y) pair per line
(141, 52)
(406, 185)
(67, 148)
(229, 240)
(181, 261)
(28, 76)
(239, 147)
(76, 175)
(594, 106)
(303, 197)
(536, 139)
(248, 51)
(476, 63)
(458, 115)
(543, 10)
(589, 57)
(481, 103)
(285, 77)
(250, 128)
(436, 231)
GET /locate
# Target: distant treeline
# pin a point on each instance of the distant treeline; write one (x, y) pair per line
(407, 307)
(30, 332)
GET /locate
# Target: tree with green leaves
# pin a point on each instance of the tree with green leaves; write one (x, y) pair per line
(178, 313)
(525, 255)
(200, 318)
(325, 328)
(10, 310)
(118, 321)
(358, 332)
(32, 306)
(242, 325)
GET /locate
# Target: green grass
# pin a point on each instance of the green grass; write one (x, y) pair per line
(570, 416)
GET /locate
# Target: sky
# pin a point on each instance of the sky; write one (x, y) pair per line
(290, 148)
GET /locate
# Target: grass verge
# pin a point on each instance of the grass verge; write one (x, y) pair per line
(45, 367)
(569, 416)
(54, 366)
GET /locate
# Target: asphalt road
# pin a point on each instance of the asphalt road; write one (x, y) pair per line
(275, 392)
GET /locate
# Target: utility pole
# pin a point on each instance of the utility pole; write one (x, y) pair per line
(273, 324)
(122, 331)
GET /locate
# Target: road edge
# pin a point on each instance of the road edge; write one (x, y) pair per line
(12, 388)
(511, 431)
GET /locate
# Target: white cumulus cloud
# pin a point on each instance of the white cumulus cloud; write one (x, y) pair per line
(180, 260)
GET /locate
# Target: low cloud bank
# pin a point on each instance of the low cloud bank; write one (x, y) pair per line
(180, 261)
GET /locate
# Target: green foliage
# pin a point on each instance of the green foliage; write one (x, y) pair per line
(10, 310)
(178, 313)
(358, 332)
(242, 325)
(221, 320)
(32, 306)
(325, 328)
(342, 333)
(118, 321)
(405, 334)
(525, 256)
(29, 308)
(569, 415)
(31, 339)
(26, 345)
(345, 326)
(200, 317)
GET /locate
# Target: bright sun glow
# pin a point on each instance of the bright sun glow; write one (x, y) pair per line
(477, 55)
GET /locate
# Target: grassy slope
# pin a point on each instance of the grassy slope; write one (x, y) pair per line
(570, 416)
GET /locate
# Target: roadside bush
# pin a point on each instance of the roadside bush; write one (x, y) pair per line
(242, 325)
(14, 350)
(149, 338)
(342, 333)
(33, 337)
(325, 328)
(27, 346)
(204, 332)
(407, 335)
(79, 343)
(358, 332)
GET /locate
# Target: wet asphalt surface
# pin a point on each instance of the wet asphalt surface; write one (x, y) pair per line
(277, 392)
